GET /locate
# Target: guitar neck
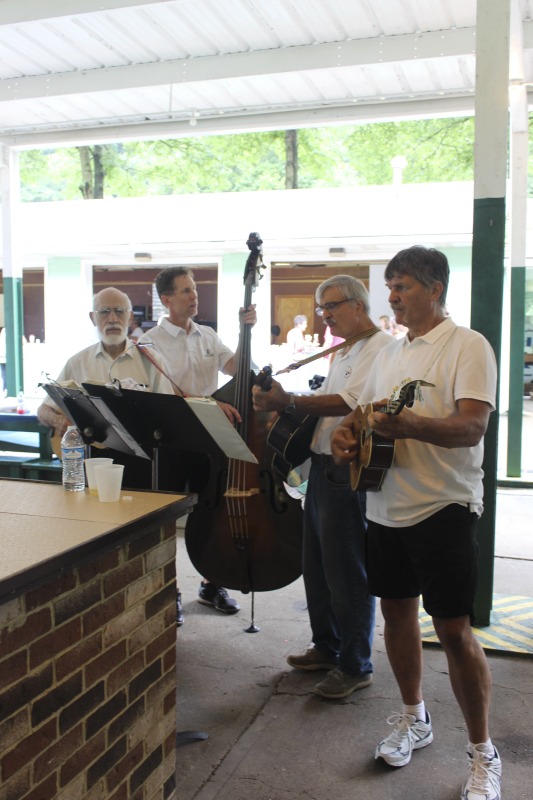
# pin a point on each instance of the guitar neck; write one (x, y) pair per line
(392, 407)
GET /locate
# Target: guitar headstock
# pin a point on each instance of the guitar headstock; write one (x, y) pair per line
(264, 378)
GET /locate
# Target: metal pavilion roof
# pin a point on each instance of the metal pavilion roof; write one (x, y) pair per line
(102, 70)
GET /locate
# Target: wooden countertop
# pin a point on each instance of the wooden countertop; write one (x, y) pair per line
(43, 528)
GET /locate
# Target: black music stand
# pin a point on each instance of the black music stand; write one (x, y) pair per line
(150, 421)
(94, 426)
(139, 423)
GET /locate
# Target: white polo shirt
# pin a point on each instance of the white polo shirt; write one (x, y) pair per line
(94, 364)
(193, 360)
(425, 478)
(346, 377)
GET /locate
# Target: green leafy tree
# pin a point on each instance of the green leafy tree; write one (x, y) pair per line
(435, 149)
(347, 155)
(92, 171)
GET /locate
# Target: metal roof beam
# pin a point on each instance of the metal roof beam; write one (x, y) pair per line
(383, 49)
(246, 123)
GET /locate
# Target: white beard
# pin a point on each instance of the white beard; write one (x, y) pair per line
(112, 338)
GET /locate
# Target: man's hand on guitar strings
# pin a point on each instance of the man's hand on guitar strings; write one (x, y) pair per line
(344, 445)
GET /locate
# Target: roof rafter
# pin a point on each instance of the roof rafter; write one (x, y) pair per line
(358, 52)
(246, 123)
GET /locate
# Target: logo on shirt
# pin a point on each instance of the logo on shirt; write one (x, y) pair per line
(209, 353)
(347, 372)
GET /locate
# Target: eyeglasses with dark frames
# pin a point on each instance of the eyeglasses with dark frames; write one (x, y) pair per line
(330, 306)
(118, 311)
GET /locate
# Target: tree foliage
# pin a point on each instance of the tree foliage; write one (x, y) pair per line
(347, 155)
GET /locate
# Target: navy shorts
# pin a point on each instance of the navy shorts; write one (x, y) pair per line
(437, 558)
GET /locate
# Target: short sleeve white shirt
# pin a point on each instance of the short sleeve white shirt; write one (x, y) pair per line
(194, 359)
(346, 377)
(94, 364)
(425, 478)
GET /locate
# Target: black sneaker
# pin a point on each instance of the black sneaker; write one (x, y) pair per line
(210, 594)
(179, 611)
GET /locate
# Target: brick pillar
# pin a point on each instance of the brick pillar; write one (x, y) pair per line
(87, 679)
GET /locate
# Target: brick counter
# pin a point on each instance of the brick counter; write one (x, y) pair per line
(87, 649)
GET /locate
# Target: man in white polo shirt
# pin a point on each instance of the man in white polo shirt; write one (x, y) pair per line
(193, 356)
(422, 523)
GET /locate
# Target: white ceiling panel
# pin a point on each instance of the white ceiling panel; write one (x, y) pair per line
(73, 70)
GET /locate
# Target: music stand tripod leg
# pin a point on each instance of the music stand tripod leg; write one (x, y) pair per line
(183, 737)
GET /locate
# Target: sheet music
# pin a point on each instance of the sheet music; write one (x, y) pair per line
(220, 428)
(118, 427)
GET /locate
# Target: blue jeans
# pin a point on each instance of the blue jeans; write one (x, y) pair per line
(341, 611)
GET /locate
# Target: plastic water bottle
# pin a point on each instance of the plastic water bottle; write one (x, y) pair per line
(20, 403)
(73, 458)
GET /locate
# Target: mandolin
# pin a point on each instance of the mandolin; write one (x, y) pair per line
(376, 454)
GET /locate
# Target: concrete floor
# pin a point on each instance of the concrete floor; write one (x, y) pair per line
(271, 738)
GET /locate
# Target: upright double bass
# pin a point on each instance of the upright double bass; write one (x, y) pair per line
(245, 533)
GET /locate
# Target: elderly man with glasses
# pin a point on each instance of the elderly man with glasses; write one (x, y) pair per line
(114, 357)
(341, 611)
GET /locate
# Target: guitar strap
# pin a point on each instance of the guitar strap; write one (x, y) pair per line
(297, 364)
(143, 349)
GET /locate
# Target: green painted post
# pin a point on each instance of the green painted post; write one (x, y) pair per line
(516, 373)
(487, 302)
(14, 319)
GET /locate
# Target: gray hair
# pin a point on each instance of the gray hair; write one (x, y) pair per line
(351, 289)
(425, 264)
(96, 297)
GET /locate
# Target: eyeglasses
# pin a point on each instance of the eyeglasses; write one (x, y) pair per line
(118, 311)
(330, 306)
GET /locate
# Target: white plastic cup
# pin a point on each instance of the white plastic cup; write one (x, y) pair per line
(90, 464)
(109, 482)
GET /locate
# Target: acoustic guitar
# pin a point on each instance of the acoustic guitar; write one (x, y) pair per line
(376, 454)
(290, 438)
(291, 434)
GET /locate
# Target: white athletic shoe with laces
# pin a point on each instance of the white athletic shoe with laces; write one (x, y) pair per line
(409, 734)
(484, 778)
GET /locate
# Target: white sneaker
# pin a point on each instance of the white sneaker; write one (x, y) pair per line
(409, 734)
(484, 778)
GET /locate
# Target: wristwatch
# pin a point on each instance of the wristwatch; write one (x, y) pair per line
(290, 408)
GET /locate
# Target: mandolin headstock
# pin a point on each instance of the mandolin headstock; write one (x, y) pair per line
(406, 396)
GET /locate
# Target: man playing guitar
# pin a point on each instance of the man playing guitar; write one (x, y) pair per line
(341, 611)
(421, 525)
